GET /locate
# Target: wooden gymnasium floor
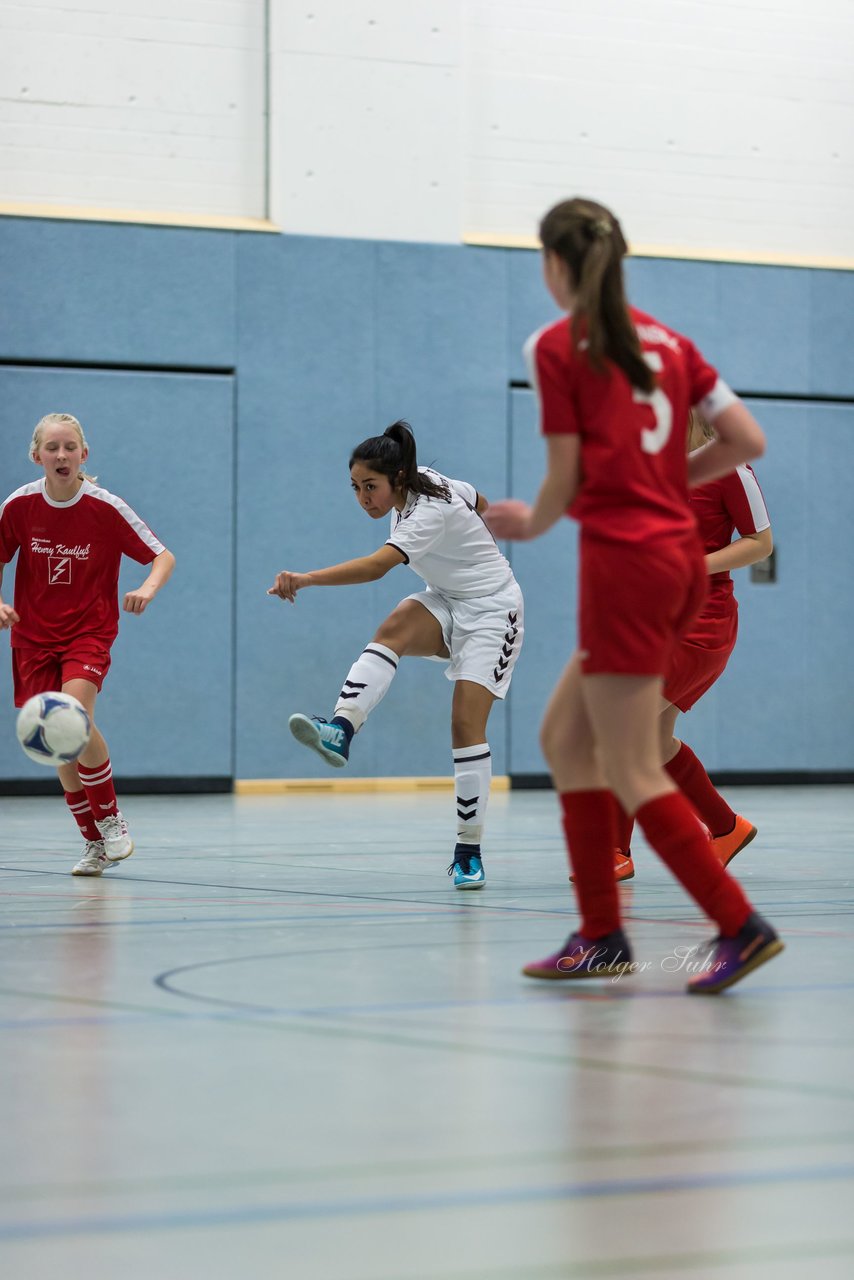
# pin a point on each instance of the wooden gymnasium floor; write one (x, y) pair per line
(277, 1043)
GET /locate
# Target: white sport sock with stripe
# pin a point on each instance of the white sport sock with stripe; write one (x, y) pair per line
(472, 776)
(367, 683)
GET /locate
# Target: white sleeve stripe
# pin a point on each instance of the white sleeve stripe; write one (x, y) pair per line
(719, 398)
(758, 510)
(529, 351)
(127, 513)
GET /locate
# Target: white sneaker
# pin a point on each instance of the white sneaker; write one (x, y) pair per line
(94, 860)
(117, 841)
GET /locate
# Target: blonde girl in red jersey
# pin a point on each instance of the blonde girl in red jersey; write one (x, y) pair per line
(615, 387)
(70, 535)
(733, 503)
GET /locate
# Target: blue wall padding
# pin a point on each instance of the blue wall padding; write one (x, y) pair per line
(330, 341)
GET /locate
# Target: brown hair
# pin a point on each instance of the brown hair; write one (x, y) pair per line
(590, 241)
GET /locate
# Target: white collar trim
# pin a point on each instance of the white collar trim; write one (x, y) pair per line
(51, 502)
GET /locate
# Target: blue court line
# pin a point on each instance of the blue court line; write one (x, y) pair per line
(486, 908)
(363, 1206)
(256, 920)
(420, 913)
(310, 894)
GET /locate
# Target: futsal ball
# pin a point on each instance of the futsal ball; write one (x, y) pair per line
(53, 728)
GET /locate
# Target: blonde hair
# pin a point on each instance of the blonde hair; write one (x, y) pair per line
(58, 420)
(698, 425)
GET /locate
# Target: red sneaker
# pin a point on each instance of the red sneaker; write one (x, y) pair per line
(726, 847)
(624, 868)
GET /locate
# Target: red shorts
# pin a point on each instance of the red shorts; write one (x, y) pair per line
(700, 657)
(635, 601)
(47, 670)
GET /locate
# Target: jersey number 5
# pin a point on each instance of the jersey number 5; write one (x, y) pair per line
(653, 439)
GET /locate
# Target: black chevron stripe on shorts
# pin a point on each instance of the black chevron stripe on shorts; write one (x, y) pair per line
(507, 648)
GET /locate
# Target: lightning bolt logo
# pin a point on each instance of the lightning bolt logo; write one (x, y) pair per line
(59, 569)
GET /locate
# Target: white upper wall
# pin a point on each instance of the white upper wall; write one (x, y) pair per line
(366, 109)
(720, 127)
(134, 104)
(707, 124)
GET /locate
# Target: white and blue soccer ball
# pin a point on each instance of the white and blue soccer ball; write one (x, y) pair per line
(53, 728)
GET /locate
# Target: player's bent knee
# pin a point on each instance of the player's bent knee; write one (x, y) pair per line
(562, 746)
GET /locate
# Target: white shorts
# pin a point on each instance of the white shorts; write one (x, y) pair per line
(482, 635)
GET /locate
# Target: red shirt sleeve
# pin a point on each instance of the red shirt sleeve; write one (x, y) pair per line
(9, 540)
(702, 377)
(744, 502)
(548, 355)
(133, 535)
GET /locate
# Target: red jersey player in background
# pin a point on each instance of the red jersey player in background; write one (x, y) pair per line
(70, 536)
(615, 389)
(731, 503)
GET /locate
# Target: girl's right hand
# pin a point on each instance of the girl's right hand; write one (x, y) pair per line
(287, 585)
(8, 616)
(509, 520)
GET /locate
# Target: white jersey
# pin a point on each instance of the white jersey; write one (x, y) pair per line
(447, 543)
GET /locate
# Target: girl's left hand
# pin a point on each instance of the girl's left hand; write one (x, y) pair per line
(137, 601)
(509, 520)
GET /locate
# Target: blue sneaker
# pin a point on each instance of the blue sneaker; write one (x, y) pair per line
(328, 740)
(467, 868)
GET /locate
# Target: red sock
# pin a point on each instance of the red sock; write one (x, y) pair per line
(625, 827)
(691, 778)
(670, 825)
(100, 792)
(79, 806)
(589, 823)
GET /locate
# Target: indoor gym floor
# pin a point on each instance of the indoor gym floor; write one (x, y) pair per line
(276, 1042)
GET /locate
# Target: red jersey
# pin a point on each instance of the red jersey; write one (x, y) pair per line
(66, 579)
(733, 502)
(633, 446)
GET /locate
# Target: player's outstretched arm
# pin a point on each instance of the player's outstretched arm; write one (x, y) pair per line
(161, 571)
(518, 522)
(349, 573)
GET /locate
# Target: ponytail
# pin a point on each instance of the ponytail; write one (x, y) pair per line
(590, 241)
(393, 455)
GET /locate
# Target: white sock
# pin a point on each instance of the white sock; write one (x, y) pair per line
(367, 683)
(472, 776)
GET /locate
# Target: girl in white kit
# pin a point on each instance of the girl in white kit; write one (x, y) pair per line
(471, 614)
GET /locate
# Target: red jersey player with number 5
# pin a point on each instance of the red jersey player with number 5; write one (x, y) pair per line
(70, 536)
(615, 388)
